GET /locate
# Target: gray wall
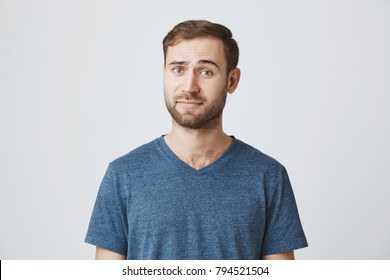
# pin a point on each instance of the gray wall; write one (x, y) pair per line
(81, 84)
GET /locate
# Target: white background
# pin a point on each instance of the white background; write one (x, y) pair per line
(81, 84)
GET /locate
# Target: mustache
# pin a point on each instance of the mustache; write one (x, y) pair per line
(189, 97)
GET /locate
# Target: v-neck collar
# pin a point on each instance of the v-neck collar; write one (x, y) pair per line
(167, 152)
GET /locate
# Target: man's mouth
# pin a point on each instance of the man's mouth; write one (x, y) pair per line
(189, 103)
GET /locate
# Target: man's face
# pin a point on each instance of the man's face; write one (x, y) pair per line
(195, 82)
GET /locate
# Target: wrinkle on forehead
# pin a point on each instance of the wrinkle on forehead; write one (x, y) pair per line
(195, 50)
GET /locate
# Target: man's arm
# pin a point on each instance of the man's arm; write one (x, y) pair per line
(280, 256)
(104, 254)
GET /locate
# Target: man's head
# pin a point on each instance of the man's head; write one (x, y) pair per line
(192, 29)
(199, 71)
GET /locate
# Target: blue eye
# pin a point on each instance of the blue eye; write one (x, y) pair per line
(206, 72)
(177, 70)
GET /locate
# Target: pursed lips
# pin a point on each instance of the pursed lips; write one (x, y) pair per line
(189, 103)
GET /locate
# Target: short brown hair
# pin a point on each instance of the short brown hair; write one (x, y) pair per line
(192, 29)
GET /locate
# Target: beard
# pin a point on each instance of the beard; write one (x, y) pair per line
(207, 119)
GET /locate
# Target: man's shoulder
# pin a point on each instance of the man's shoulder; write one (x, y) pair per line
(254, 157)
(137, 156)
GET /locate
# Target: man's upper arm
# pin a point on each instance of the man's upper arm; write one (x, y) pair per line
(280, 256)
(104, 254)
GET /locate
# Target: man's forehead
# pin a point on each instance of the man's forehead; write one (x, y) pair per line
(196, 49)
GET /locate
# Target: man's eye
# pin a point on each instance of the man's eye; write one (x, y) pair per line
(206, 72)
(177, 70)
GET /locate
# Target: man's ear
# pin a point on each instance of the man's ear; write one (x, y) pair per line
(233, 79)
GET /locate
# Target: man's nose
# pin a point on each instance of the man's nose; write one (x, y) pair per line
(190, 83)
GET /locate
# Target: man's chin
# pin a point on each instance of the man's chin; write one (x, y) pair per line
(191, 122)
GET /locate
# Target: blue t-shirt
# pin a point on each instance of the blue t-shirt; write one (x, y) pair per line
(152, 205)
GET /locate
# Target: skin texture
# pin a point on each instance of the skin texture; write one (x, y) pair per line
(196, 84)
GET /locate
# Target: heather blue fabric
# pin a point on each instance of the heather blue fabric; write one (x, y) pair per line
(151, 205)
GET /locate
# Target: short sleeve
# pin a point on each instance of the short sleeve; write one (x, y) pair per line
(283, 232)
(107, 228)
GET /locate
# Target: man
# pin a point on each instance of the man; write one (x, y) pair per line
(196, 193)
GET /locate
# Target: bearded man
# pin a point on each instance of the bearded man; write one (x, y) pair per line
(196, 192)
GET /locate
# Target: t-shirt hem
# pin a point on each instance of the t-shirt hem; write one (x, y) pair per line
(105, 244)
(292, 245)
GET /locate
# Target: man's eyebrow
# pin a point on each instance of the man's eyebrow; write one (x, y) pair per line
(175, 62)
(207, 61)
(202, 61)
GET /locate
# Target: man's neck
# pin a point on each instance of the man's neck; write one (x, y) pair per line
(198, 148)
